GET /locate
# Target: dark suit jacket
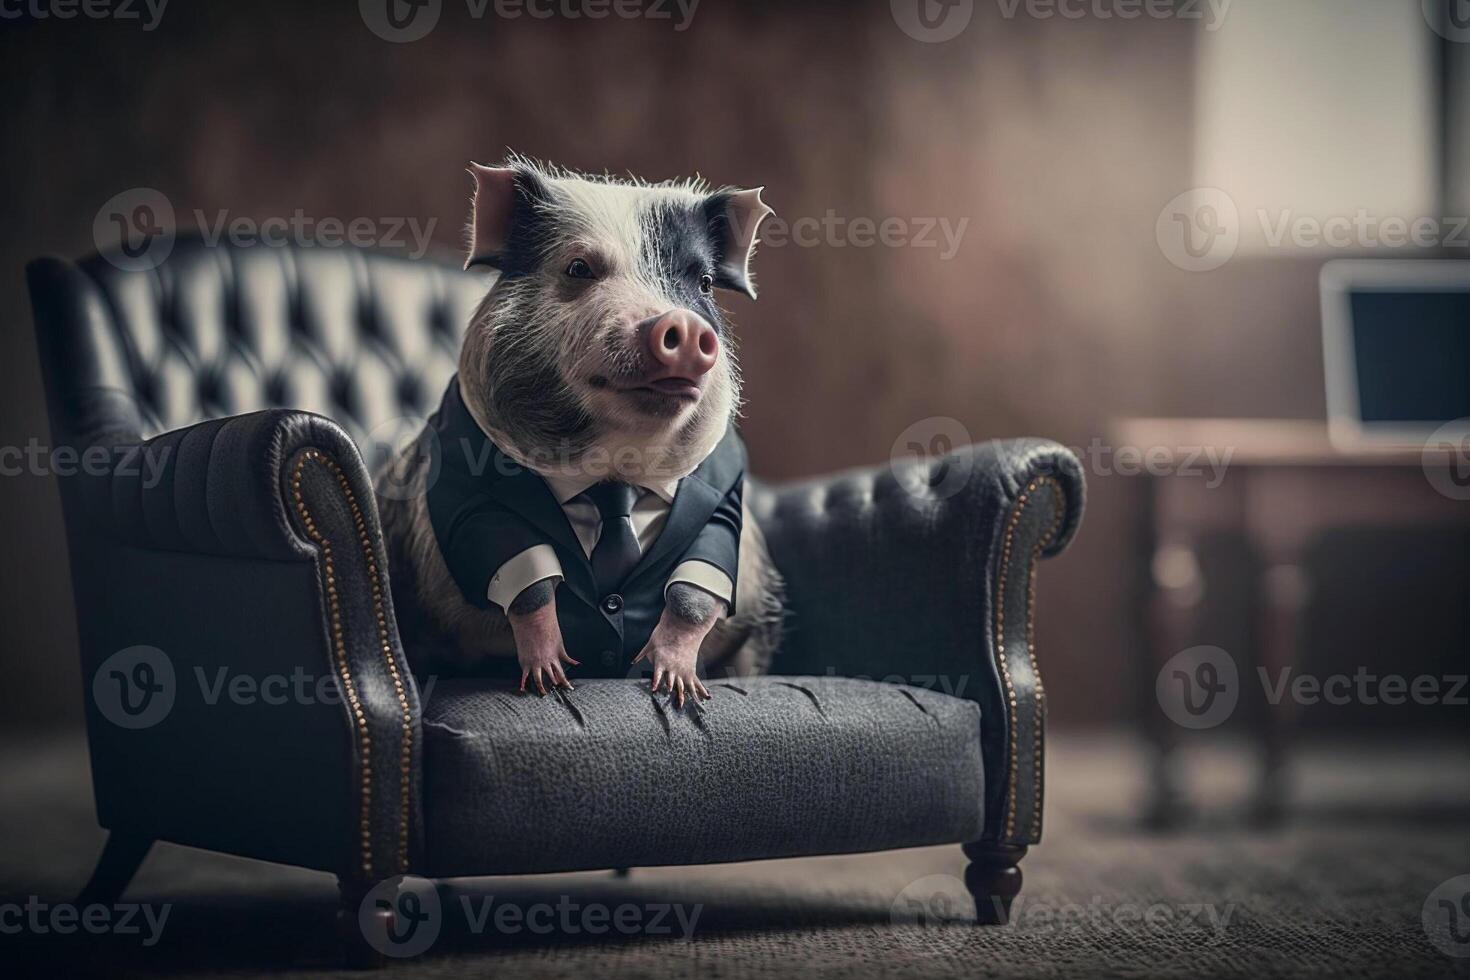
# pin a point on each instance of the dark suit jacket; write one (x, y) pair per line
(486, 509)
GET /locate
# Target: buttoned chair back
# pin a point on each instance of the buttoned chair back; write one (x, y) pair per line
(368, 339)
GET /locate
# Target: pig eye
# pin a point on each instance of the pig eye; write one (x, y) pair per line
(580, 269)
(706, 284)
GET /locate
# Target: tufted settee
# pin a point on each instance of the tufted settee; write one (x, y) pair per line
(226, 528)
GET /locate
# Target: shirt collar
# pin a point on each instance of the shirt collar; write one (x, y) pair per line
(565, 488)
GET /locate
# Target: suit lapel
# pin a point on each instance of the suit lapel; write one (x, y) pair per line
(520, 490)
(693, 504)
(526, 493)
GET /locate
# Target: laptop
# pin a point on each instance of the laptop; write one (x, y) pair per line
(1396, 348)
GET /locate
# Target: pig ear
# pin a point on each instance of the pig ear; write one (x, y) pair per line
(490, 221)
(736, 217)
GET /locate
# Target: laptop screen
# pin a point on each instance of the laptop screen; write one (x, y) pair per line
(1411, 352)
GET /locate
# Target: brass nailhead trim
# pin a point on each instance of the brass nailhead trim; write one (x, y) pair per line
(1000, 607)
(340, 650)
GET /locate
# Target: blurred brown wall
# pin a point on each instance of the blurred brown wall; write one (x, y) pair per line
(1059, 140)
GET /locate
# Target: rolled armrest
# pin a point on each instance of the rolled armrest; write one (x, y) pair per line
(219, 487)
(922, 573)
(248, 551)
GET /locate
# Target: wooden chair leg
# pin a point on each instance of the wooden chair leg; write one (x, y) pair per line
(993, 879)
(357, 952)
(122, 855)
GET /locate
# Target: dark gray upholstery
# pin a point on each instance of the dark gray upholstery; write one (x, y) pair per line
(768, 767)
(922, 571)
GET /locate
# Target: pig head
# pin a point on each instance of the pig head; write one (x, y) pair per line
(601, 349)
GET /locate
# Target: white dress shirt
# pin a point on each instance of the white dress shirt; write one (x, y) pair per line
(650, 513)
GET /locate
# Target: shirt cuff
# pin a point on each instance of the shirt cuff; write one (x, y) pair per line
(533, 565)
(706, 576)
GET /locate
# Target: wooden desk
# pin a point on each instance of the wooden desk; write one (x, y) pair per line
(1283, 484)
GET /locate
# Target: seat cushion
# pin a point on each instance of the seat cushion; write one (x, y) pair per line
(613, 776)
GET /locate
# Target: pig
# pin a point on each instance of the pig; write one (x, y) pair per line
(598, 368)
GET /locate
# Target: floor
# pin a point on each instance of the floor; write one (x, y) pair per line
(1341, 890)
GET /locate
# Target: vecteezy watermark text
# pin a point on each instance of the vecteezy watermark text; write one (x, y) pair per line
(402, 21)
(415, 915)
(833, 230)
(305, 231)
(147, 12)
(136, 230)
(137, 687)
(570, 917)
(1363, 687)
(37, 459)
(1208, 462)
(936, 21)
(1200, 688)
(1211, 13)
(952, 684)
(40, 918)
(934, 914)
(1201, 230)
(297, 687)
(1100, 918)
(934, 440)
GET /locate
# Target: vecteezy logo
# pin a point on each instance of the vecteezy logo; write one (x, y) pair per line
(400, 21)
(1449, 18)
(135, 688)
(1199, 230)
(411, 452)
(1446, 459)
(932, 21)
(926, 914)
(1446, 917)
(932, 440)
(414, 916)
(134, 230)
(1199, 687)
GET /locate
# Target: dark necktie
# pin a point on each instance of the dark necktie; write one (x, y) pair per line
(617, 548)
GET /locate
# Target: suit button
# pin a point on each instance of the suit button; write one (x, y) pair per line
(608, 658)
(613, 603)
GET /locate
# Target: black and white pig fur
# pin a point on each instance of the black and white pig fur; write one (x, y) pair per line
(538, 373)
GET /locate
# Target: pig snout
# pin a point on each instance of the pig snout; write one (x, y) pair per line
(681, 343)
